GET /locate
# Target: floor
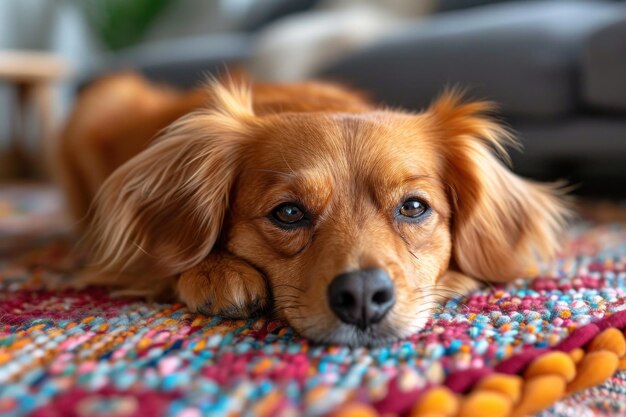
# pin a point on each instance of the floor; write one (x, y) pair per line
(65, 352)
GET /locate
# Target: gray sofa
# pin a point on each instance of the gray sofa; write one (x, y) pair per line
(556, 68)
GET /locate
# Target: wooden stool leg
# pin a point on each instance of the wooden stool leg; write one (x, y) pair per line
(18, 153)
(33, 105)
(43, 102)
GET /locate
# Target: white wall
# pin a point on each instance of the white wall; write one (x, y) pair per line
(58, 26)
(42, 25)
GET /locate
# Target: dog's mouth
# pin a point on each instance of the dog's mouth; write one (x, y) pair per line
(374, 336)
(361, 308)
(336, 332)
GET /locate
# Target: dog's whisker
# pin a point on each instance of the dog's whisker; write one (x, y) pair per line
(429, 298)
(446, 290)
(408, 246)
(422, 308)
(430, 304)
(437, 286)
(417, 313)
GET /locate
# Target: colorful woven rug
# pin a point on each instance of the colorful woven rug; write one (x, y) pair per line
(503, 351)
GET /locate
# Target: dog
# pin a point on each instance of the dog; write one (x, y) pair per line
(348, 220)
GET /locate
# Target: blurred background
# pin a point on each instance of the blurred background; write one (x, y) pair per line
(557, 68)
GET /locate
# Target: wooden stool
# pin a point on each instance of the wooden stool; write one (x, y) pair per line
(33, 75)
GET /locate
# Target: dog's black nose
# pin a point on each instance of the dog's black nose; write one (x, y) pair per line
(361, 297)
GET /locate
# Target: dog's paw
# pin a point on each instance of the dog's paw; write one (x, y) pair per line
(224, 285)
(454, 284)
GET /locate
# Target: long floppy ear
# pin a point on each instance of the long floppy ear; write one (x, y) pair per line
(162, 211)
(502, 224)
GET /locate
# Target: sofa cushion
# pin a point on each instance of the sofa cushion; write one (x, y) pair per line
(595, 139)
(523, 55)
(604, 67)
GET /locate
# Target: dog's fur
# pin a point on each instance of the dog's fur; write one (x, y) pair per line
(189, 212)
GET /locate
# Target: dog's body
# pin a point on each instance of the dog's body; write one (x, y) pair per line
(351, 220)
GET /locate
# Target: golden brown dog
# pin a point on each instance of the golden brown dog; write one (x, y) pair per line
(351, 220)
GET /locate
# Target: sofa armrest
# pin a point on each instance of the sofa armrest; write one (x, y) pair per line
(524, 55)
(604, 68)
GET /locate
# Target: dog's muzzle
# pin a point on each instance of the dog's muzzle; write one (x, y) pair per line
(361, 298)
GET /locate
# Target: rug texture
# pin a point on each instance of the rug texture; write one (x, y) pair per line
(509, 350)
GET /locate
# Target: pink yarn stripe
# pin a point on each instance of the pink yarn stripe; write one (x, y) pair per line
(397, 401)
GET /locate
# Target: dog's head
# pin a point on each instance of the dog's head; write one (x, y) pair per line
(359, 221)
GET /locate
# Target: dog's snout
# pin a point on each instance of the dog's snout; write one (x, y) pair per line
(361, 298)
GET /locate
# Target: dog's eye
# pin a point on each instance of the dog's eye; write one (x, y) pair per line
(413, 208)
(288, 214)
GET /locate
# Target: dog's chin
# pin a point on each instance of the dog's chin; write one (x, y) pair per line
(376, 335)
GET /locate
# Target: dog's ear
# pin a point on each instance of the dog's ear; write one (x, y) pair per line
(501, 224)
(162, 211)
